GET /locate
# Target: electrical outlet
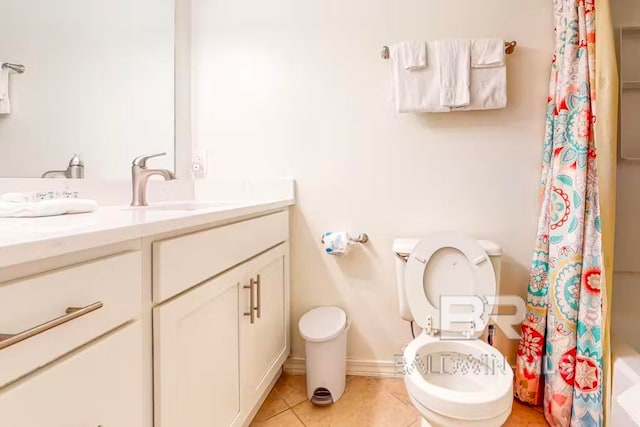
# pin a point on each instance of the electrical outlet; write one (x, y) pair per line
(199, 163)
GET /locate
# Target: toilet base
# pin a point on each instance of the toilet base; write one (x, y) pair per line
(432, 419)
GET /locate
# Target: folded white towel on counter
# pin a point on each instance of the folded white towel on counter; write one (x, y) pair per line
(454, 58)
(5, 103)
(37, 196)
(411, 55)
(46, 208)
(487, 53)
(416, 90)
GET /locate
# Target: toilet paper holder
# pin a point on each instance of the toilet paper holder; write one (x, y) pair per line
(358, 238)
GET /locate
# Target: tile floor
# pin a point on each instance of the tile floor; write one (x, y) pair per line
(367, 402)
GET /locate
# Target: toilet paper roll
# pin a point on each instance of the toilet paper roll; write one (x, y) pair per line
(336, 243)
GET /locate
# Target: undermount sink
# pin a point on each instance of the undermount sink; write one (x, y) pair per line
(182, 206)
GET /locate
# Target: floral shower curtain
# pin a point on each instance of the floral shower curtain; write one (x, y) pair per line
(560, 354)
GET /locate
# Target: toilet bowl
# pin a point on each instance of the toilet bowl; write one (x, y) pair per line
(458, 383)
(452, 377)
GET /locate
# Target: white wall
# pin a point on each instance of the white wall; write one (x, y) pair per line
(99, 82)
(626, 291)
(293, 88)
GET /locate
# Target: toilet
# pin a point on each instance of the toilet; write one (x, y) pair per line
(452, 376)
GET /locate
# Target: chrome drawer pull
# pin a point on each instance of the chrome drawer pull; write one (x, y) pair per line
(251, 312)
(7, 340)
(259, 305)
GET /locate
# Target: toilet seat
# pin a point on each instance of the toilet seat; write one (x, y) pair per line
(477, 395)
(479, 277)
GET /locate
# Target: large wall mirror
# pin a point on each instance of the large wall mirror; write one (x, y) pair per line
(98, 82)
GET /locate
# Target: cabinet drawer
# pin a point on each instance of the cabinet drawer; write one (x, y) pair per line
(100, 385)
(108, 290)
(182, 262)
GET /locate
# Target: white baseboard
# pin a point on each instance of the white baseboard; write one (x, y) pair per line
(358, 367)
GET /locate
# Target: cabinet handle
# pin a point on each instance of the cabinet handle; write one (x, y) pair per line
(259, 292)
(7, 340)
(251, 312)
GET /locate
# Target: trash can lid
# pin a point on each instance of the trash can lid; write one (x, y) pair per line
(322, 324)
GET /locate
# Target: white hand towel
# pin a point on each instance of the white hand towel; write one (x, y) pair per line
(488, 89)
(416, 90)
(411, 55)
(46, 208)
(487, 53)
(5, 104)
(454, 58)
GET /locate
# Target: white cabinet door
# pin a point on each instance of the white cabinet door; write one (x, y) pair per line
(100, 385)
(196, 356)
(265, 342)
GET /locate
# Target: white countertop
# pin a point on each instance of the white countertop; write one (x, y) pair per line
(30, 239)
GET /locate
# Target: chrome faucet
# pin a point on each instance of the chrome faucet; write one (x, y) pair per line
(140, 175)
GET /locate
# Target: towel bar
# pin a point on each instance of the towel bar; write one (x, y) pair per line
(509, 48)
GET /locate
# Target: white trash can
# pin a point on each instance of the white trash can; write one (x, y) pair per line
(325, 332)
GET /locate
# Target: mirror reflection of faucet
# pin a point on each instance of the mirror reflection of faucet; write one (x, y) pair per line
(74, 171)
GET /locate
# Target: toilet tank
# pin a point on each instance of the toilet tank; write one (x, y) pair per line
(402, 248)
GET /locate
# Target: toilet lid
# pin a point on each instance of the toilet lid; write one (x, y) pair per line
(448, 264)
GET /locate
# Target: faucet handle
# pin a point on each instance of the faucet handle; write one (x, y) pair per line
(142, 160)
(75, 161)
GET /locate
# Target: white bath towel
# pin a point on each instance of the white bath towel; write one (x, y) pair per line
(487, 53)
(5, 104)
(488, 85)
(488, 89)
(454, 59)
(416, 90)
(411, 55)
(46, 208)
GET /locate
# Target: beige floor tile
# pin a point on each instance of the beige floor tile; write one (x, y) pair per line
(272, 405)
(292, 389)
(397, 387)
(284, 419)
(521, 416)
(366, 402)
(525, 416)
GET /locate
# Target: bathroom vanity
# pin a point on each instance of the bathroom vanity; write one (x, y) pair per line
(148, 317)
